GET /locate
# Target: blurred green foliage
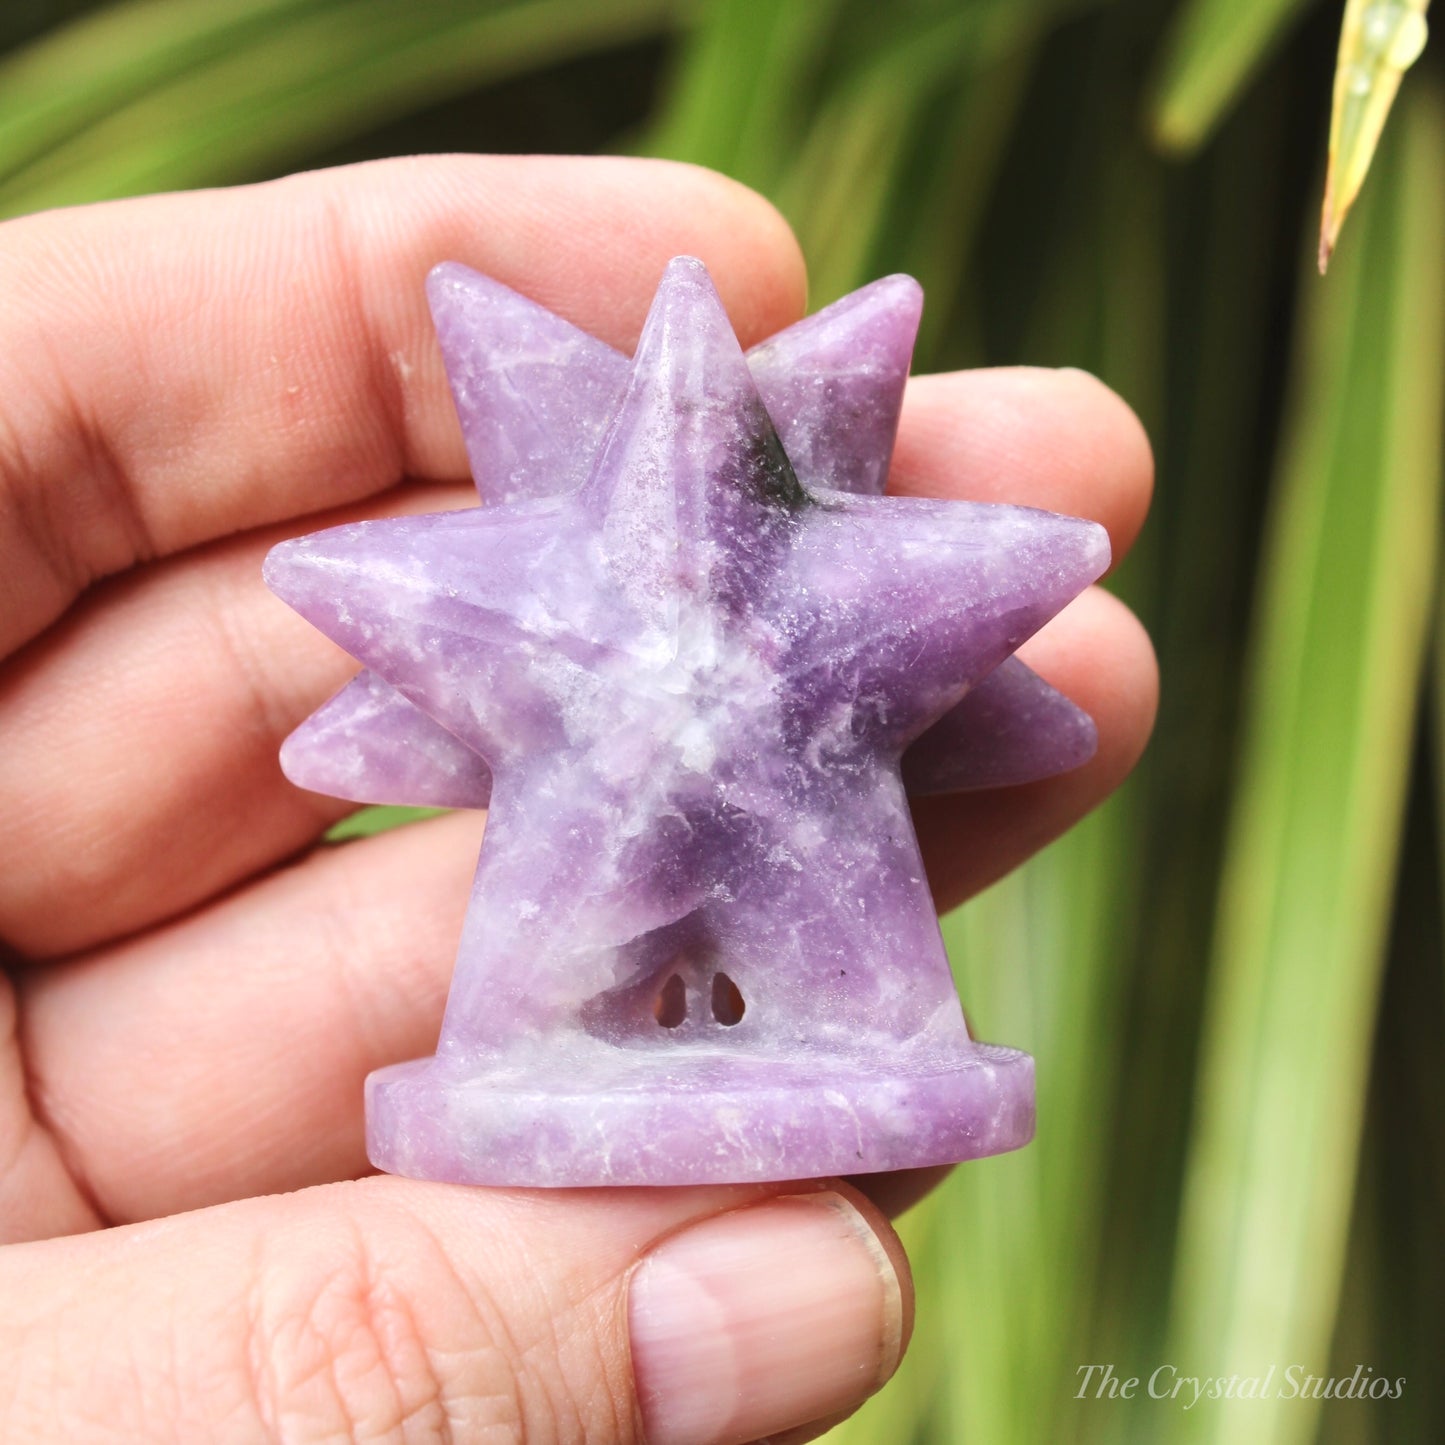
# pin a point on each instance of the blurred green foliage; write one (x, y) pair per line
(1231, 974)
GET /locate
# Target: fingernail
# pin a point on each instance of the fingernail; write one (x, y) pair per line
(761, 1320)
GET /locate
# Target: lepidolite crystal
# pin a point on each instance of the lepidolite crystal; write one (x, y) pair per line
(691, 641)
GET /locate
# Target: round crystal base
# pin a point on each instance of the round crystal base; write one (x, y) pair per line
(698, 1117)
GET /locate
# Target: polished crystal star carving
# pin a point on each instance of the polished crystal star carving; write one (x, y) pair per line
(700, 945)
(535, 395)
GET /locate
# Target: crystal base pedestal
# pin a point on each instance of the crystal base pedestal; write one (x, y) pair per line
(702, 1118)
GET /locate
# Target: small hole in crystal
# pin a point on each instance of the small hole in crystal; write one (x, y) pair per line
(727, 1002)
(669, 1008)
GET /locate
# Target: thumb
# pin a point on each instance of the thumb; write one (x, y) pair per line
(388, 1310)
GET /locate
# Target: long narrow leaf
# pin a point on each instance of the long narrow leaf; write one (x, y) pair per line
(1310, 867)
(1199, 528)
(323, 76)
(1213, 50)
(738, 97)
(838, 190)
(1379, 41)
(1437, 733)
(931, 229)
(380, 819)
(70, 77)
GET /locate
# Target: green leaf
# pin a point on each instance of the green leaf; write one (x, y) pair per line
(1213, 50)
(840, 185)
(71, 77)
(1379, 41)
(1310, 866)
(313, 78)
(1037, 962)
(1210, 478)
(381, 819)
(740, 91)
(1437, 732)
(940, 201)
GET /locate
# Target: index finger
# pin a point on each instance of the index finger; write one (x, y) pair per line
(180, 367)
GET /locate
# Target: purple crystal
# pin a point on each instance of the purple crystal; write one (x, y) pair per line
(535, 394)
(700, 945)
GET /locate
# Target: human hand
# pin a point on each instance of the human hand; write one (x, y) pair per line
(183, 1027)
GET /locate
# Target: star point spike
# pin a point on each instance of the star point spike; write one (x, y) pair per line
(691, 455)
(534, 393)
(833, 384)
(903, 604)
